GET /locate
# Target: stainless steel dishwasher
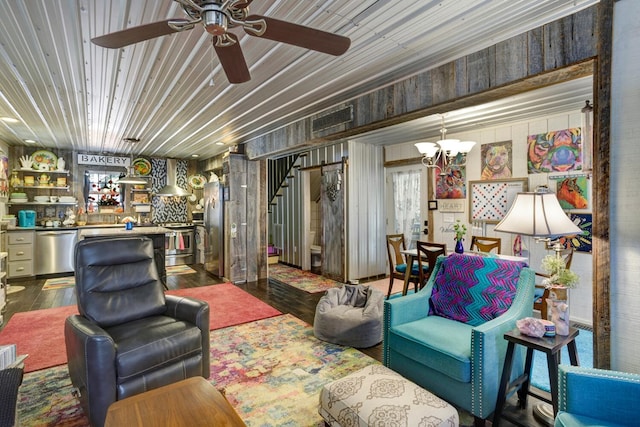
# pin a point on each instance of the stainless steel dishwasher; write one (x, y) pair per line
(54, 251)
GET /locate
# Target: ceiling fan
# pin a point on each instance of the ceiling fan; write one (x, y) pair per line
(217, 17)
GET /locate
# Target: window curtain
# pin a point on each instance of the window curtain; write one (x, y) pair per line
(406, 198)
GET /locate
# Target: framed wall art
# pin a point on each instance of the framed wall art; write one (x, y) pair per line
(490, 201)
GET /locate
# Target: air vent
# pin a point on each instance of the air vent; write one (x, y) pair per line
(332, 119)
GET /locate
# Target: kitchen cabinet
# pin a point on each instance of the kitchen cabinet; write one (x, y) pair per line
(20, 253)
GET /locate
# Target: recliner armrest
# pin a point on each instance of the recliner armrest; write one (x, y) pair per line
(188, 309)
(91, 361)
(197, 312)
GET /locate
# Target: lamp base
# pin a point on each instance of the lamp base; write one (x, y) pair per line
(543, 412)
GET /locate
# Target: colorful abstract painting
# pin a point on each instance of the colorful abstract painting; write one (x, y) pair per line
(496, 160)
(581, 242)
(555, 151)
(572, 192)
(451, 179)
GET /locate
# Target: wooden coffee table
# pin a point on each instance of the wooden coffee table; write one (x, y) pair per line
(191, 402)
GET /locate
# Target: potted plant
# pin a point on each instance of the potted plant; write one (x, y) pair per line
(559, 275)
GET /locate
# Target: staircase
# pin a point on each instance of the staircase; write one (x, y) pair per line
(279, 170)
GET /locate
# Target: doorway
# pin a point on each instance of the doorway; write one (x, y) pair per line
(405, 213)
(312, 220)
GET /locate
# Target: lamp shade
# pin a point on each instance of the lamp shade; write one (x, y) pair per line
(539, 215)
(429, 149)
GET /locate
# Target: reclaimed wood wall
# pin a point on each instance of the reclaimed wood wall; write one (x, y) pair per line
(555, 52)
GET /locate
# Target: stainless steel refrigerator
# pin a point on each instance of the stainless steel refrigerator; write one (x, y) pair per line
(214, 229)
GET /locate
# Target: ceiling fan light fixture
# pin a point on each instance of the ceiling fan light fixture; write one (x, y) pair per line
(214, 20)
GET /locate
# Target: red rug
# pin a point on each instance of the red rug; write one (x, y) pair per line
(40, 333)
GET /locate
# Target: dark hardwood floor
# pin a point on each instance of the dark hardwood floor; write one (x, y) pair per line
(285, 298)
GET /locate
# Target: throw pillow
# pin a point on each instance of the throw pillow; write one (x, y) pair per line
(473, 289)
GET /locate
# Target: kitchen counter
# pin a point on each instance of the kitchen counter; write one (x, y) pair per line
(119, 231)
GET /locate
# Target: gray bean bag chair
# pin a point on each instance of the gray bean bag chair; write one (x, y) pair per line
(350, 315)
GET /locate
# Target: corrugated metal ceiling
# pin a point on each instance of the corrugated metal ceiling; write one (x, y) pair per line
(171, 92)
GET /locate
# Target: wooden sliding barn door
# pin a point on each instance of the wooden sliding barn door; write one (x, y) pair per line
(333, 221)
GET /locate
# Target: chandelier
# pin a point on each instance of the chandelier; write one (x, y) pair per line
(447, 149)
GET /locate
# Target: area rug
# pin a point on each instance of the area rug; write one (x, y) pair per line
(271, 371)
(40, 333)
(383, 286)
(174, 270)
(539, 370)
(301, 279)
(59, 283)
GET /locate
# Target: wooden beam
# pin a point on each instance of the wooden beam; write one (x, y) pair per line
(601, 219)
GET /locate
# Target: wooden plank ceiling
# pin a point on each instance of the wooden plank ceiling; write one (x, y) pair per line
(171, 93)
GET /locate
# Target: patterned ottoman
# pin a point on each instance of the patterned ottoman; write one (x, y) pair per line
(378, 396)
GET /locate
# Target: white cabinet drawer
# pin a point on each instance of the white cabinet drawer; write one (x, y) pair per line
(20, 252)
(20, 237)
(21, 268)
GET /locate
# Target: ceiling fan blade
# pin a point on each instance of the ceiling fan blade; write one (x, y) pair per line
(231, 58)
(298, 35)
(136, 34)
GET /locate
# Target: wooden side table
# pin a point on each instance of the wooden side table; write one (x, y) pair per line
(551, 346)
(191, 402)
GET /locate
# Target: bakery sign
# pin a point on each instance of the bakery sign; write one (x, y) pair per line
(102, 160)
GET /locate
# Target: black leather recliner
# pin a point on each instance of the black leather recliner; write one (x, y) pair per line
(129, 337)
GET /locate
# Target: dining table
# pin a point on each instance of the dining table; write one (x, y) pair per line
(411, 256)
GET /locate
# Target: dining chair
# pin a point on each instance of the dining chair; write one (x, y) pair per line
(485, 244)
(541, 293)
(397, 262)
(429, 252)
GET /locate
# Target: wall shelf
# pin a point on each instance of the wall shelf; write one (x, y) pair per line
(45, 187)
(42, 203)
(64, 172)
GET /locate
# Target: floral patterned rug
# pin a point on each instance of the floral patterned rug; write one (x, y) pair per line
(271, 371)
(301, 279)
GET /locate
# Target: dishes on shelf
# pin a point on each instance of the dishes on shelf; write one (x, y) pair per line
(197, 181)
(142, 166)
(41, 199)
(18, 198)
(44, 160)
(67, 199)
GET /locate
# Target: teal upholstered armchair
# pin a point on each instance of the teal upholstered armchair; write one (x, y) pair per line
(449, 337)
(597, 397)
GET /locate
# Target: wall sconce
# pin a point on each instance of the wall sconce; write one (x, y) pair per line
(587, 135)
(433, 151)
(334, 184)
(333, 179)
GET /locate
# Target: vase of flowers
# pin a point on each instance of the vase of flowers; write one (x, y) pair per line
(560, 280)
(460, 229)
